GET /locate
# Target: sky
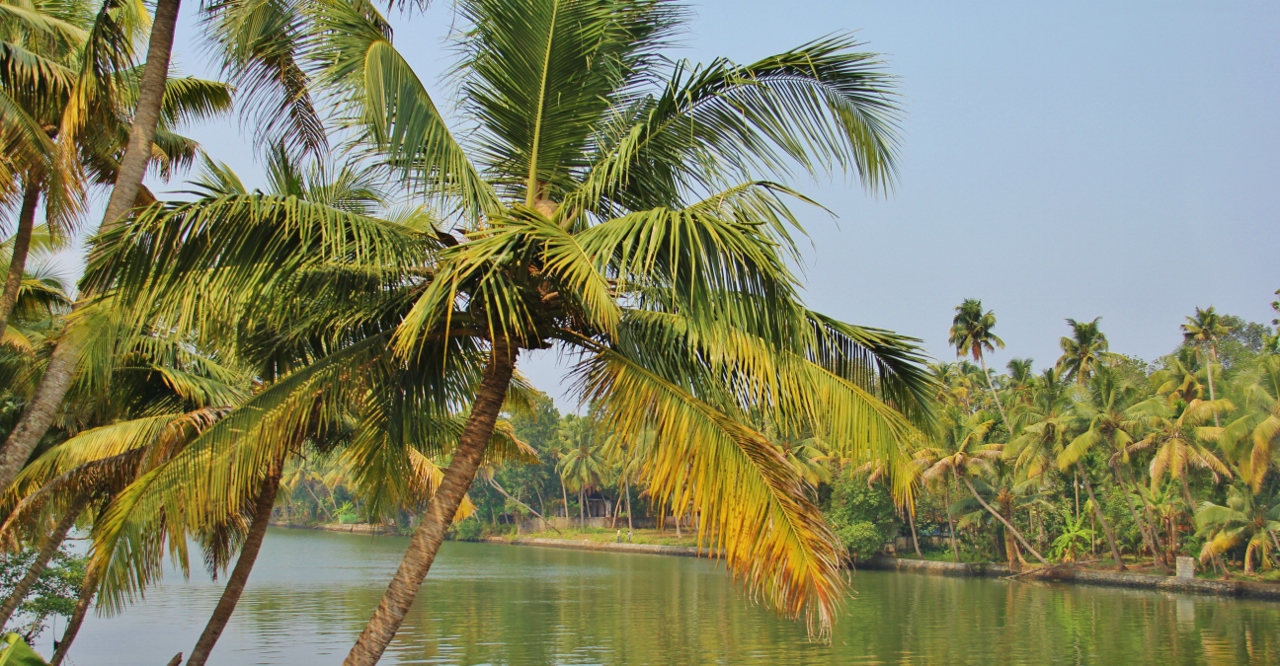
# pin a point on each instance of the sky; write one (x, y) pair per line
(1085, 159)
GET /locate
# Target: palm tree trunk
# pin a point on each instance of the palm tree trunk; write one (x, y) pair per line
(494, 482)
(441, 509)
(240, 574)
(47, 550)
(951, 523)
(1097, 511)
(582, 510)
(88, 589)
(18, 259)
(1007, 525)
(627, 485)
(911, 519)
(133, 166)
(1010, 548)
(1213, 358)
(565, 493)
(996, 396)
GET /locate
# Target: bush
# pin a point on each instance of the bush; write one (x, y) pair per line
(467, 530)
(348, 518)
(862, 516)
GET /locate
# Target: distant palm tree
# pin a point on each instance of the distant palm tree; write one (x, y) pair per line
(1204, 330)
(971, 336)
(1083, 352)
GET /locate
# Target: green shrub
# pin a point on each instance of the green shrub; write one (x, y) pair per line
(348, 518)
(862, 516)
(467, 530)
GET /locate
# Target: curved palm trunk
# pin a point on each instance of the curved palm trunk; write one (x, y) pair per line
(88, 589)
(47, 550)
(1097, 511)
(951, 523)
(1007, 525)
(240, 574)
(1010, 547)
(18, 260)
(57, 377)
(441, 509)
(494, 482)
(564, 492)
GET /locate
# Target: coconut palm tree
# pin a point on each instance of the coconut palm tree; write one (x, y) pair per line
(964, 452)
(1083, 352)
(73, 69)
(971, 336)
(1203, 331)
(621, 220)
(250, 35)
(1175, 431)
(581, 463)
(1102, 419)
(98, 108)
(1254, 436)
(1245, 520)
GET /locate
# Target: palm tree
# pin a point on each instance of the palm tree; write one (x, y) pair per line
(1204, 330)
(259, 66)
(1245, 519)
(581, 463)
(1174, 429)
(971, 335)
(86, 106)
(1099, 419)
(621, 221)
(963, 453)
(1102, 418)
(1083, 352)
(1255, 434)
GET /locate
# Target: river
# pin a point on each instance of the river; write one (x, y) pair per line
(492, 604)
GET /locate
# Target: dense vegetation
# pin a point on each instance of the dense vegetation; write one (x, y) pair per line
(342, 342)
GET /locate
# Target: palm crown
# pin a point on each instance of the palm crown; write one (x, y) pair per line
(609, 203)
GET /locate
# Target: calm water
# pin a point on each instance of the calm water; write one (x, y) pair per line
(487, 604)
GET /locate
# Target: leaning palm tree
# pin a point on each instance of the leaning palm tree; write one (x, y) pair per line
(962, 453)
(622, 221)
(971, 336)
(251, 36)
(1083, 352)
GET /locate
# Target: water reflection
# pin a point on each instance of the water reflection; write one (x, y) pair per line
(312, 592)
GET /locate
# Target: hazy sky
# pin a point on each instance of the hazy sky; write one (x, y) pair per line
(1113, 159)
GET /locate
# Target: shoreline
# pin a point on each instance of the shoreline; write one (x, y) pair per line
(1061, 574)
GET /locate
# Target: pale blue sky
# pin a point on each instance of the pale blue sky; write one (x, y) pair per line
(1113, 159)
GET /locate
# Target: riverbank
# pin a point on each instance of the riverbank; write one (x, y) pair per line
(349, 528)
(1059, 574)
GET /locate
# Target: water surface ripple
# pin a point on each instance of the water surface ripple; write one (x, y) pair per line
(311, 593)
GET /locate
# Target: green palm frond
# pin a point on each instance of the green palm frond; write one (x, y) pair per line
(385, 99)
(262, 45)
